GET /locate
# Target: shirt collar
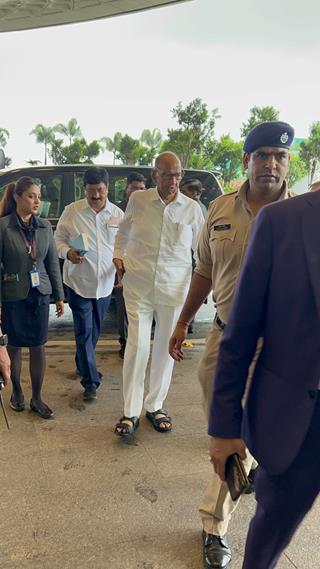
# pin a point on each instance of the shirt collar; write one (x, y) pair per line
(242, 194)
(156, 196)
(16, 220)
(107, 207)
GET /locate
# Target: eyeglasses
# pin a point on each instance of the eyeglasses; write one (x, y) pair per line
(176, 175)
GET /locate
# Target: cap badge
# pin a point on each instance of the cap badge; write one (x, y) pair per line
(284, 138)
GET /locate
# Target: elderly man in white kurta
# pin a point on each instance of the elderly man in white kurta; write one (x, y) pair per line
(153, 255)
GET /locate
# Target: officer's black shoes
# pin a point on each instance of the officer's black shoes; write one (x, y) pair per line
(216, 551)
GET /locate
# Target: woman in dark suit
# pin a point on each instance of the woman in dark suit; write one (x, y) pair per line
(30, 273)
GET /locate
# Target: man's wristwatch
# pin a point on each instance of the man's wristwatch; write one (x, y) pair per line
(4, 340)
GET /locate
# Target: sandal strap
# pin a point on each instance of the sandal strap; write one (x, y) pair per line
(158, 420)
(125, 426)
(159, 412)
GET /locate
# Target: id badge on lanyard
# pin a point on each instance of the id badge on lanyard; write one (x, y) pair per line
(34, 277)
(34, 274)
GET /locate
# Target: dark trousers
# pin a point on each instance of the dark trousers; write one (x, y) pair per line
(122, 318)
(88, 315)
(283, 501)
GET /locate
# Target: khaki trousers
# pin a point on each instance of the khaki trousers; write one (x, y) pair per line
(217, 506)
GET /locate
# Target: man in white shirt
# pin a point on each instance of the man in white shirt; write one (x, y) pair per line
(89, 277)
(153, 252)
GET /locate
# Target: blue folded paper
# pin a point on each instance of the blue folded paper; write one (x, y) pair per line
(81, 244)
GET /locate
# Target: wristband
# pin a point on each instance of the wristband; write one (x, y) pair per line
(183, 323)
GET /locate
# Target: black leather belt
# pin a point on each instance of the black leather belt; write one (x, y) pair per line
(219, 322)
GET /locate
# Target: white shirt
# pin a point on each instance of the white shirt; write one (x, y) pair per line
(94, 278)
(155, 241)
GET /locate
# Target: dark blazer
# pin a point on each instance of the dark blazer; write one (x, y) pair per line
(15, 259)
(278, 298)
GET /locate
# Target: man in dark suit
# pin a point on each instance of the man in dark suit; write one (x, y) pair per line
(277, 299)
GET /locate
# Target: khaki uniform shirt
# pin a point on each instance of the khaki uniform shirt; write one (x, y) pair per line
(223, 243)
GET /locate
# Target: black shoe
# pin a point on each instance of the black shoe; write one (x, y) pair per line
(41, 409)
(216, 551)
(251, 489)
(90, 393)
(16, 404)
(122, 350)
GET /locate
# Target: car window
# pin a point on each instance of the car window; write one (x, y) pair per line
(117, 185)
(78, 186)
(51, 189)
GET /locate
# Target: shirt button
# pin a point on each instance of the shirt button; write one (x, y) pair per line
(313, 393)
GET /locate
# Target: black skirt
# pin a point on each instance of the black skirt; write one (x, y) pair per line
(26, 321)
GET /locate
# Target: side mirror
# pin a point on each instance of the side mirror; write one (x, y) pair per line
(2, 159)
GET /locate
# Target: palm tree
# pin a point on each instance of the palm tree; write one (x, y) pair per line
(4, 135)
(71, 130)
(151, 138)
(112, 144)
(44, 135)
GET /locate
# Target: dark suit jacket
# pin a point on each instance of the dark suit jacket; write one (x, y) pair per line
(15, 259)
(278, 298)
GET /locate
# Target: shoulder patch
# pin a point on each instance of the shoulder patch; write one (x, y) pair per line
(222, 227)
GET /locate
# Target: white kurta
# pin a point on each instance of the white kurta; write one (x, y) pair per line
(155, 242)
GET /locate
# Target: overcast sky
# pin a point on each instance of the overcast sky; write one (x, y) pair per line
(126, 73)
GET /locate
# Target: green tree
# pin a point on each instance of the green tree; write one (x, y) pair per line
(129, 150)
(257, 116)
(112, 144)
(150, 142)
(71, 130)
(196, 129)
(78, 152)
(201, 161)
(44, 135)
(34, 162)
(309, 151)
(226, 155)
(4, 135)
(178, 142)
(145, 156)
(151, 139)
(298, 170)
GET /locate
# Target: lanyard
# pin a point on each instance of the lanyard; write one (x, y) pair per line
(30, 247)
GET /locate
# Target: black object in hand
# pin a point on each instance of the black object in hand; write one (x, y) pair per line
(236, 476)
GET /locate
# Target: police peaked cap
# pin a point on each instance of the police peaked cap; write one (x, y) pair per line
(272, 133)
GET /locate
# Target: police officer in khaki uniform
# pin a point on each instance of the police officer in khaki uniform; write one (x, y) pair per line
(220, 253)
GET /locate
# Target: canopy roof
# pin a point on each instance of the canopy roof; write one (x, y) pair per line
(27, 14)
